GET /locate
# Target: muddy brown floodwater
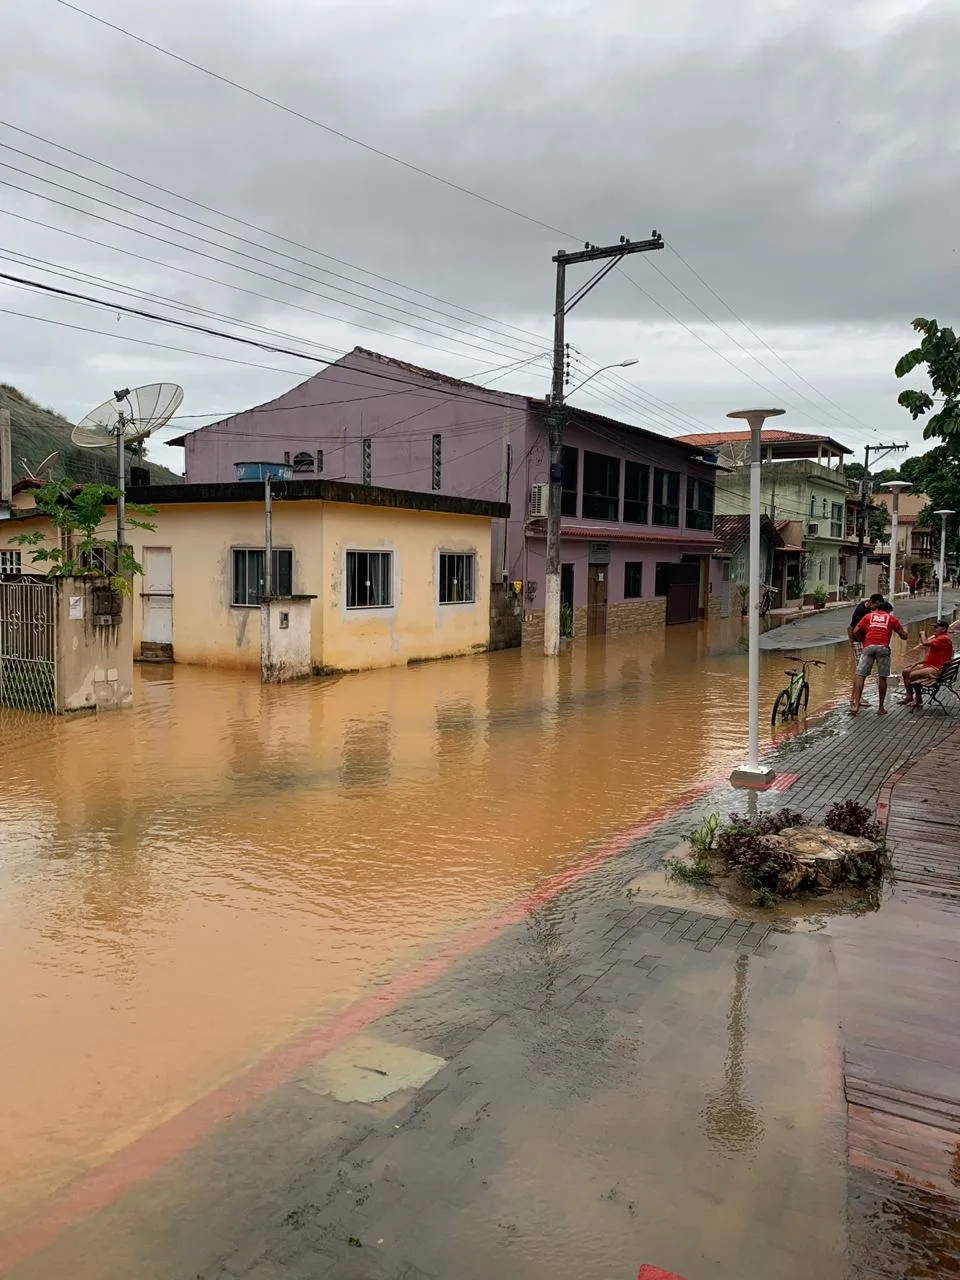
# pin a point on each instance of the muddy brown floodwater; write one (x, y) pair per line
(184, 885)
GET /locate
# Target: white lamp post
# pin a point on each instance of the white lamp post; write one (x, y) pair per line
(942, 513)
(896, 487)
(621, 364)
(752, 774)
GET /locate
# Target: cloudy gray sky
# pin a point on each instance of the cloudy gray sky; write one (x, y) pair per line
(802, 161)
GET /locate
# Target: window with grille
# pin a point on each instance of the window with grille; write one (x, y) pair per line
(571, 474)
(632, 580)
(9, 562)
(699, 503)
(601, 487)
(636, 493)
(248, 575)
(303, 463)
(367, 460)
(369, 579)
(457, 574)
(436, 462)
(666, 497)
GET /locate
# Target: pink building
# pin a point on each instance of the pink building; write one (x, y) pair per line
(637, 530)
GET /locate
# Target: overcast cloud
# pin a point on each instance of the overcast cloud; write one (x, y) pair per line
(802, 160)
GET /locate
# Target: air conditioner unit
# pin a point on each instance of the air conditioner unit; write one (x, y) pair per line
(812, 530)
(539, 501)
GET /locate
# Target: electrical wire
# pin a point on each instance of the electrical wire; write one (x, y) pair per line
(746, 350)
(498, 327)
(750, 329)
(99, 217)
(319, 124)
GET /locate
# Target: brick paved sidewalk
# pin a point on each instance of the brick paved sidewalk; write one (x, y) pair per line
(611, 1082)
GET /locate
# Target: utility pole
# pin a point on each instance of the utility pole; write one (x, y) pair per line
(882, 449)
(611, 255)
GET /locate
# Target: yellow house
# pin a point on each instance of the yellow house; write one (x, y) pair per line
(395, 577)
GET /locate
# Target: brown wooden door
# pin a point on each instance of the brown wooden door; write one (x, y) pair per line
(597, 599)
(683, 594)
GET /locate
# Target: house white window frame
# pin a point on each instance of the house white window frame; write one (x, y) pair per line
(277, 551)
(391, 579)
(11, 561)
(465, 555)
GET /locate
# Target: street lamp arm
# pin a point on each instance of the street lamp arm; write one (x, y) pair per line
(620, 364)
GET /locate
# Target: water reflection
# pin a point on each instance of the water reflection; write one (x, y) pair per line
(187, 883)
(730, 1121)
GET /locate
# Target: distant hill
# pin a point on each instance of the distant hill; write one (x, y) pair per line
(38, 432)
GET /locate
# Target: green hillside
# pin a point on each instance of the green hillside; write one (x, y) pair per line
(38, 432)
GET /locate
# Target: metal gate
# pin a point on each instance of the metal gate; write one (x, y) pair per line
(28, 644)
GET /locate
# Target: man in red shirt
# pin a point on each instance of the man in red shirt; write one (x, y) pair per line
(877, 628)
(939, 652)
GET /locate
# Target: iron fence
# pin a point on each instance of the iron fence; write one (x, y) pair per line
(28, 629)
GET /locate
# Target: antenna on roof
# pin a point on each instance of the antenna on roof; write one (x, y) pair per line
(128, 418)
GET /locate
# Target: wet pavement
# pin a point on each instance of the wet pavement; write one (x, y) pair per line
(827, 626)
(582, 1082)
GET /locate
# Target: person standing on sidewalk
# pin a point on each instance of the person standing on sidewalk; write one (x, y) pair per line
(860, 612)
(877, 628)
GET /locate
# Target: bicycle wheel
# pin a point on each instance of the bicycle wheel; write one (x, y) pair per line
(781, 708)
(803, 699)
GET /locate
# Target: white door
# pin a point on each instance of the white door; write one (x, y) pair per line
(157, 597)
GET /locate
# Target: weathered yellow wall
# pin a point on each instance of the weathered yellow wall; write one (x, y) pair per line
(208, 629)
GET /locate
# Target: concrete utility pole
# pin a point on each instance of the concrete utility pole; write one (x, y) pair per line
(613, 254)
(753, 774)
(943, 513)
(896, 487)
(882, 449)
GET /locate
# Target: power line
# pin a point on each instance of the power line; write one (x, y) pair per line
(750, 329)
(498, 324)
(319, 124)
(160, 346)
(390, 320)
(53, 289)
(746, 350)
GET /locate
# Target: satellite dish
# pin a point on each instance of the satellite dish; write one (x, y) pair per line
(130, 414)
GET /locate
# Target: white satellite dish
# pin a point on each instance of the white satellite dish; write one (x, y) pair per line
(133, 413)
(129, 417)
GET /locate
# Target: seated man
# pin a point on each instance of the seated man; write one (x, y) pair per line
(939, 651)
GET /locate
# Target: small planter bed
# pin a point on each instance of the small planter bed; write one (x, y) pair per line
(781, 855)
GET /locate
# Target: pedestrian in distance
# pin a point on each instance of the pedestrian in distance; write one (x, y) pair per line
(860, 612)
(913, 582)
(876, 628)
(939, 651)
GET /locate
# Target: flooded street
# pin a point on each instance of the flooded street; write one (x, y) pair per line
(185, 885)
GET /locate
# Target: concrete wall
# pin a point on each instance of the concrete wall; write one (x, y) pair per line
(285, 639)
(94, 661)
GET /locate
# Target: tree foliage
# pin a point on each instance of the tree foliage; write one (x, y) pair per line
(77, 512)
(939, 350)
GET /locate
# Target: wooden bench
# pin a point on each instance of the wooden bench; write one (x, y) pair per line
(946, 682)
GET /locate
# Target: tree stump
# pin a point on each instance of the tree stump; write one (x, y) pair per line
(816, 857)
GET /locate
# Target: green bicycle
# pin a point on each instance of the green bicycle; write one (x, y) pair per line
(792, 702)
